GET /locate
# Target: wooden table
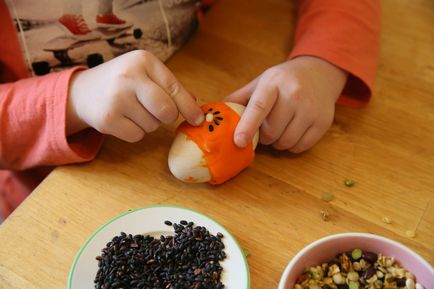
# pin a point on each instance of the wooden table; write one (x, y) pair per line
(273, 207)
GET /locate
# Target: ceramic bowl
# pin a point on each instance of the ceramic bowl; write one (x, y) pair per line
(326, 248)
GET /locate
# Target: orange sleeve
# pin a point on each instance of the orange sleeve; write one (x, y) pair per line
(33, 112)
(345, 33)
(32, 124)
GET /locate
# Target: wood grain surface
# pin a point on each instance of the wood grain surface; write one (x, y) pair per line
(273, 207)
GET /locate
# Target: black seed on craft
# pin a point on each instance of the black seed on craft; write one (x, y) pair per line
(168, 223)
(210, 109)
(219, 118)
(217, 112)
(210, 128)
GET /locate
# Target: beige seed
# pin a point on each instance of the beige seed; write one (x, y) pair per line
(380, 274)
(333, 269)
(314, 286)
(325, 215)
(356, 266)
(338, 279)
(328, 281)
(353, 276)
(419, 286)
(409, 284)
(372, 279)
(298, 286)
(390, 261)
(387, 220)
(410, 233)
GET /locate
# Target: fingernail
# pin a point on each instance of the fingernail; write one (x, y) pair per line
(241, 140)
(199, 120)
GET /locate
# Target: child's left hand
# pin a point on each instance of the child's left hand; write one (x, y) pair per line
(293, 103)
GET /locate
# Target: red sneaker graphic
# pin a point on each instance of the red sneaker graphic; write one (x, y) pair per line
(111, 21)
(76, 27)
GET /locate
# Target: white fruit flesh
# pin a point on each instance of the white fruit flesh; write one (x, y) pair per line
(187, 162)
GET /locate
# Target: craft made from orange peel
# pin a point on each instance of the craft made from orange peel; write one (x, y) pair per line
(207, 153)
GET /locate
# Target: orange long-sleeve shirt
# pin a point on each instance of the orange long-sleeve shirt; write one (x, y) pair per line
(346, 34)
(32, 110)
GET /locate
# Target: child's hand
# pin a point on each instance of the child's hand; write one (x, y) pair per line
(293, 103)
(127, 97)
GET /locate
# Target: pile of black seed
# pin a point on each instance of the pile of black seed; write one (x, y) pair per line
(189, 259)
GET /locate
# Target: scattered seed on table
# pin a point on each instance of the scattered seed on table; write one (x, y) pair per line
(387, 220)
(349, 182)
(327, 196)
(325, 215)
(183, 222)
(410, 233)
(168, 223)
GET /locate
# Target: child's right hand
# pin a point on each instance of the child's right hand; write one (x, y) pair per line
(127, 97)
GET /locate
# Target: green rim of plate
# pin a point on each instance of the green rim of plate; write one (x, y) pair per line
(74, 263)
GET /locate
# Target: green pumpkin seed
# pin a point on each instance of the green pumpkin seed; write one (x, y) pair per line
(349, 182)
(356, 254)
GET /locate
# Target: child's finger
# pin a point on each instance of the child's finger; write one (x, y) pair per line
(243, 94)
(126, 130)
(260, 104)
(185, 102)
(311, 137)
(156, 101)
(188, 106)
(277, 120)
(140, 116)
(293, 133)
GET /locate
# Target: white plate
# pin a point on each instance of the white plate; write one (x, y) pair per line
(150, 221)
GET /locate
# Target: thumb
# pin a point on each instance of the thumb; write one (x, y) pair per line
(243, 94)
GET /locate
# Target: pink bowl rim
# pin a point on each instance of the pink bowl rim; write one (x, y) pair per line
(303, 251)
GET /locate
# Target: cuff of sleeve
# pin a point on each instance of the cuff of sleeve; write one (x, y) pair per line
(80, 147)
(358, 89)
